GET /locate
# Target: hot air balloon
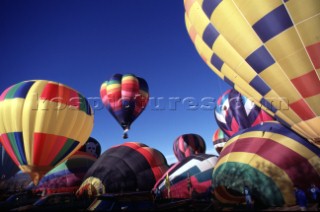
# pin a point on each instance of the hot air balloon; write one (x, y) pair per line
(235, 112)
(219, 139)
(42, 124)
(189, 178)
(67, 176)
(92, 146)
(188, 144)
(125, 96)
(268, 51)
(270, 159)
(128, 167)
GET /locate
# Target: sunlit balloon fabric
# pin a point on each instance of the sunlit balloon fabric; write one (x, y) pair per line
(188, 144)
(189, 178)
(235, 112)
(270, 159)
(67, 176)
(128, 167)
(125, 96)
(219, 139)
(268, 51)
(42, 123)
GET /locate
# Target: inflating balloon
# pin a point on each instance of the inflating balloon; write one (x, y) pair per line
(67, 176)
(128, 167)
(270, 159)
(188, 144)
(189, 178)
(42, 123)
(125, 96)
(235, 112)
(268, 51)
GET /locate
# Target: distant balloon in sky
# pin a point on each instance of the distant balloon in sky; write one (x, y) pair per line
(188, 144)
(42, 123)
(268, 51)
(219, 139)
(188, 178)
(235, 112)
(92, 146)
(125, 96)
(128, 167)
(270, 159)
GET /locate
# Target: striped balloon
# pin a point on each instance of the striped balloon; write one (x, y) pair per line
(235, 112)
(67, 176)
(189, 178)
(219, 139)
(268, 51)
(125, 96)
(188, 144)
(42, 123)
(128, 167)
(270, 159)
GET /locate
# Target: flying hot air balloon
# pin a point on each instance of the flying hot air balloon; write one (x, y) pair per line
(42, 123)
(235, 112)
(268, 51)
(188, 144)
(125, 96)
(219, 139)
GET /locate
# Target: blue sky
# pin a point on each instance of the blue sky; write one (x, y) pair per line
(82, 43)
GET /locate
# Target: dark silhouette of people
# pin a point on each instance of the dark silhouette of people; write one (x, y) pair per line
(301, 198)
(248, 197)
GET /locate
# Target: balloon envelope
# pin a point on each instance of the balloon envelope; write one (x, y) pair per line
(268, 51)
(219, 139)
(188, 144)
(270, 159)
(128, 167)
(235, 112)
(92, 146)
(42, 124)
(67, 176)
(125, 96)
(188, 178)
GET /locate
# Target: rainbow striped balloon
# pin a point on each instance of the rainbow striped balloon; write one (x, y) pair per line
(42, 123)
(125, 96)
(219, 139)
(270, 159)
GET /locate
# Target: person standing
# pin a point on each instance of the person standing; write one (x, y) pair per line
(247, 194)
(315, 194)
(301, 198)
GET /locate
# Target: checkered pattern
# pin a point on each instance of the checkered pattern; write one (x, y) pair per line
(267, 50)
